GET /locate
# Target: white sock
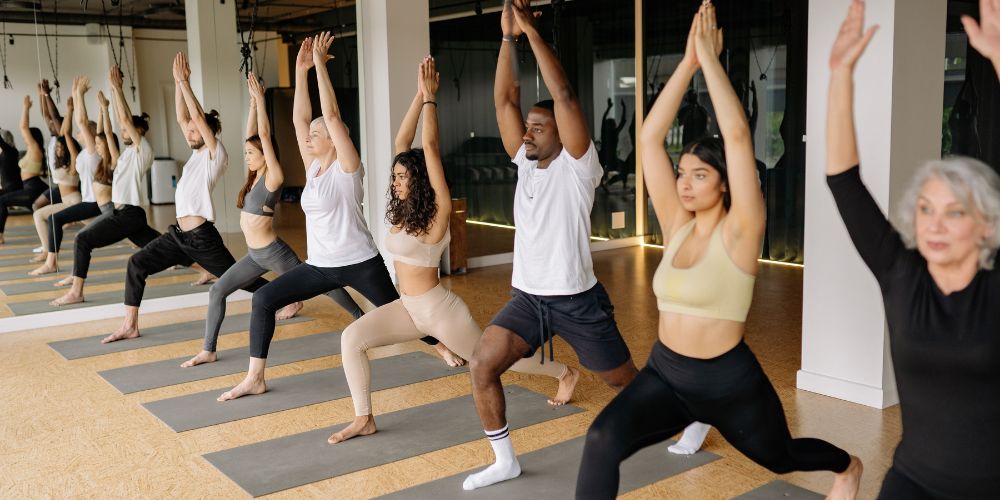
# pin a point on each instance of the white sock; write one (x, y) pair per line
(505, 467)
(691, 440)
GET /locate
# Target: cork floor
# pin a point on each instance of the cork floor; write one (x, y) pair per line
(65, 432)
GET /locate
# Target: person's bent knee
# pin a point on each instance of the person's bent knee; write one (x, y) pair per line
(263, 301)
(602, 436)
(352, 339)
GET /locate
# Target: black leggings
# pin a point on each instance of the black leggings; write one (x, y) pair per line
(202, 244)
(72, 213)
(730, 392)
(305, 281)
(127, 221)
(23, 197)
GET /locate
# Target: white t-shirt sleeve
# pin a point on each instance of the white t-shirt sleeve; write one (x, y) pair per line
(587, 166)
(145, 156)
(217, 163)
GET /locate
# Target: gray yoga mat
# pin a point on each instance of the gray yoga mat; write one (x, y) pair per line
(32, 239)
(194, 411)
(28, 229)
(104, 298)
(25, 252)
(551, 473)
(118, 277)
(782, 490)
(66, 254)
(156, 335)
(291, 461)
(147, 376)
(67, 265)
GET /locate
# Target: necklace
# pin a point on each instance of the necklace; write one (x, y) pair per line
(531, 183)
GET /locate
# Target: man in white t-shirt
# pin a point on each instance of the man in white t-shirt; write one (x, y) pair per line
(555, 291)
(194, 237)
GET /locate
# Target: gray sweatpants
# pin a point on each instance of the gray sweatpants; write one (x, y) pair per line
(277, 257)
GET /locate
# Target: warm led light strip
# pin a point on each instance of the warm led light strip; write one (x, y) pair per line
(762, 261)
(505, 226)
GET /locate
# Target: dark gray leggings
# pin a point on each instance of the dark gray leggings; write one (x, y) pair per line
(277, 257)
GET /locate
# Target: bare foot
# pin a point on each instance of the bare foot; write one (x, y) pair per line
(289, 311)
(567, 384)
(249, 386)
(203, 279)
(121, 334)
(69, 298)
(67, 281)
(361, 426)
(201, 357)
(449, 357)
(846, 484)
(43, 269)
(38, 258)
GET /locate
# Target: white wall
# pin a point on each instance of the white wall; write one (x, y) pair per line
(393, 35)
(78, 55)
(898, 101)
(155, 51)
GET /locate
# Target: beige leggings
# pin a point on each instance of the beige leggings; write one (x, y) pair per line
(41, 216)
(438, 313)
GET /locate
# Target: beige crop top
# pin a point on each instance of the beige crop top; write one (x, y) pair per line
(30, 167)
(714, 287)
(408, 249)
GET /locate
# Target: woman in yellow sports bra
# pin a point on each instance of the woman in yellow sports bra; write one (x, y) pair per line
(31, 170)
(712, 214)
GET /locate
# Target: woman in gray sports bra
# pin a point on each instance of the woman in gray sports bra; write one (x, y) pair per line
(265, 251)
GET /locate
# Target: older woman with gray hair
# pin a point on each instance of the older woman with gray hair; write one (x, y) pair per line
(940, 290)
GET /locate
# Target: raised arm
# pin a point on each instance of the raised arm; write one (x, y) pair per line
(180, 107)
(657, 168)
(507, 87)
(251, 129)
(572, 125)
(841, 139)
(747, 213)
(66, 131)
(80, 87)
(194, 109)
(302, 106)
(275, 176)
(347, 153)
(49, 111)
(986, 37)
(408, 129)
(430, 80)
(121, 107)
(105, 121)
(621, 118)
(34, 151)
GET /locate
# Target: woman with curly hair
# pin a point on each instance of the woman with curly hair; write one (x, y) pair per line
(418, 212)
(340, 249)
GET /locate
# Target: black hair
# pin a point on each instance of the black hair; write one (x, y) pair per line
(711, 151)
(141, 122)
(416, 213)
(214, 123)
(548, 104)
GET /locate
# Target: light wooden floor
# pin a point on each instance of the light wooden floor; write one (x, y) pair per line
(65, 432)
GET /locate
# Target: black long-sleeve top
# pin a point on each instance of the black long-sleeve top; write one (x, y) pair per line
(10, 173)
(945, 352)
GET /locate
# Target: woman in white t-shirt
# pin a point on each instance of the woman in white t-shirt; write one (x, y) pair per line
(50, 220)
(128, 193)
(340, 249)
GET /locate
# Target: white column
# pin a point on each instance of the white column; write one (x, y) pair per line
(899, 94)
(219, 84)
(393, 35)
